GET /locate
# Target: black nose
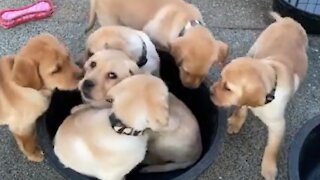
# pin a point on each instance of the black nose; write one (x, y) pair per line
(87, 85)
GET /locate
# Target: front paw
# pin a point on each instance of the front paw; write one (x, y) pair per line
(37, 156)
(269, 169)
(233, 126)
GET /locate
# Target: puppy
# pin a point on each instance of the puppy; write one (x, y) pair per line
(27, 80)
(179, 145)
(103, 70)
(265, 82)
(182, 148)
(112, 140)
(136, 44)
(173, 25)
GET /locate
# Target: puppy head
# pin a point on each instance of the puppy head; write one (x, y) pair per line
(105, 38)
(241, 84)
(195, 52)
(103, 70)
(141, 101)
(44, 62)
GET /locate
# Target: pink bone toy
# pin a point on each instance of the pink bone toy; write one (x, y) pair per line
(38, 10)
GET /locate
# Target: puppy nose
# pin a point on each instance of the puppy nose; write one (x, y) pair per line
(87, 84)
(79, 75)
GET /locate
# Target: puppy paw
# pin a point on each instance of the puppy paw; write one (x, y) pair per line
(37, 156)
(233, 126)
(269, 169)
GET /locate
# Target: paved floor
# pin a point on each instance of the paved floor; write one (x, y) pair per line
(236, 22)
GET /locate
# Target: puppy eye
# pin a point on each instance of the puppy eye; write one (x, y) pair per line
(226, 87)
(57, 69)
(93, 64)
(112, 75)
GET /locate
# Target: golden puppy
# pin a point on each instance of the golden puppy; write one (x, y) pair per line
(173, 25)
(136, 44)
(112, 140)
(265, 82)
(26, 82)
(179, 145)
(103, 70)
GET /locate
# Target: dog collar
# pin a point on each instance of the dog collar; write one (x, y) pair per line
(143, 58)
(270, 96)
(120, 128)
(190, 24)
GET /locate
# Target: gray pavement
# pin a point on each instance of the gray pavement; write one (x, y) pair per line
(236, 22)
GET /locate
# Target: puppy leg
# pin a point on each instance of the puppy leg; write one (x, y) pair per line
(276, 129)
(27, 143)
(237, 119)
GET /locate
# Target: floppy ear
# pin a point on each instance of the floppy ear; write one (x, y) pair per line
(176, 51)
(159, 113)
(26, 73)
(222, 52)
(254, 95)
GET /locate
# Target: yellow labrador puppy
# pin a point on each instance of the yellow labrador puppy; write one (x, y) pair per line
(265, 82)
(109, 143)
(27, 80)
(173, 25)
(136, 44)
(182, 148)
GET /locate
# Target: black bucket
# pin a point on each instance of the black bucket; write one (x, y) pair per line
(211, 121)
(306, 12)
(304, 152)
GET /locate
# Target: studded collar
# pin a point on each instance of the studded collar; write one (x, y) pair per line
(121, 128)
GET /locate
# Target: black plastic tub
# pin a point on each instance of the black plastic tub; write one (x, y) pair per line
(304, 152)
(306, 12)
(211, 121)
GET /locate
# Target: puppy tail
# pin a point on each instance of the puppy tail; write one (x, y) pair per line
(92, 16)
(166, 167)
(275, 15)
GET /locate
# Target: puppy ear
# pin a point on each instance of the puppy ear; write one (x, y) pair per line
(176, 50)
(254, 95)
(222, 52)
(26, 73)
(158, 111)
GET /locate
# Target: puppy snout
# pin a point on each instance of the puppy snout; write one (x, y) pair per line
(87, 85)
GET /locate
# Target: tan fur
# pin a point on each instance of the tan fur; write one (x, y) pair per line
(177, 147)
(26, 83)
(88, 133)
(107, 61)
(195, 52)
(279, 54)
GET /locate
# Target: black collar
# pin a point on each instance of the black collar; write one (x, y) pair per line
(143, 58)
(120, 128)
(190, 24)
(270, 96)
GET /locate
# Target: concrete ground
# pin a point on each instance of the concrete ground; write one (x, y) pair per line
(236, 22)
